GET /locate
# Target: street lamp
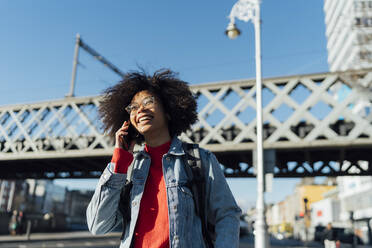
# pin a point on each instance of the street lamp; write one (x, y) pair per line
(249, 10)
(232, 31)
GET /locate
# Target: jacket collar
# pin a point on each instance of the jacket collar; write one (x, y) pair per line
(175, 148)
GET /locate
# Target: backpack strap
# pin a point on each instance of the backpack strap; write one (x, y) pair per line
(124, 201)
(196, 174)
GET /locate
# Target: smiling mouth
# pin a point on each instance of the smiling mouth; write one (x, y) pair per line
(145, 118)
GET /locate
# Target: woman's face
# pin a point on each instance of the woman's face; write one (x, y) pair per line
(147, 114)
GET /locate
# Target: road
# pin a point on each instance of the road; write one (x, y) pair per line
(101, 243)
(85, 239)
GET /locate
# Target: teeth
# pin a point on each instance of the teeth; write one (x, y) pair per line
(145, 118)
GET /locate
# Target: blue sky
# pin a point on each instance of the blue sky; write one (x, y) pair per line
(37, 43)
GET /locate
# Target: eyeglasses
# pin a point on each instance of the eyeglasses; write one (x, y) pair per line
(147, 102)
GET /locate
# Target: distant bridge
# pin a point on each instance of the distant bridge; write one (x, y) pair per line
(315, 125)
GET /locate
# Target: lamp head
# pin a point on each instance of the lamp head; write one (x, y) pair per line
(232, 31)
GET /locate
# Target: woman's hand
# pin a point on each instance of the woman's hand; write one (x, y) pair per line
(120, 141)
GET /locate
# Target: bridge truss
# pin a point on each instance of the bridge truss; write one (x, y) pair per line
(315, 125)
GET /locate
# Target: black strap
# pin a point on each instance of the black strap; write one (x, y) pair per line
(124, 204)
(124, 201)
(198, 188)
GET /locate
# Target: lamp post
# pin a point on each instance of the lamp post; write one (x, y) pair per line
(249, 10)
(306, 219)
(354, 244)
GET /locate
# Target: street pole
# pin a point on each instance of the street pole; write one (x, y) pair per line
(246, 10)
(354, 244)
(79, 43)
(306, 220)
(74, 67)
(260, 237)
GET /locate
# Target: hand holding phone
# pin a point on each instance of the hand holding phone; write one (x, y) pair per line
(123, 137)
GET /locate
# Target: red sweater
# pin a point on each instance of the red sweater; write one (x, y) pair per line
(152, 228)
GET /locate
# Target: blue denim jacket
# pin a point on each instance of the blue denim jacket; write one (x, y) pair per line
(184, 225)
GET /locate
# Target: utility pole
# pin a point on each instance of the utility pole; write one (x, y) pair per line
(79, 43)
(74, 67)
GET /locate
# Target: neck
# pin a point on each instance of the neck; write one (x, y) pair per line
(155, 139)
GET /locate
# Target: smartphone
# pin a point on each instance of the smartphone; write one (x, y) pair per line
(132, 133)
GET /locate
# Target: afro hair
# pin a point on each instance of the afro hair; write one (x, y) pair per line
(178, 101)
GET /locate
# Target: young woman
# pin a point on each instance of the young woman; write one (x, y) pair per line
(154, 110)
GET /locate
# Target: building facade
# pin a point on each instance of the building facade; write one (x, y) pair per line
(12, 195)
(7, 191)
(349, 46)
(45, 197)
(355, 195)
(76, 203)
(349, 34)
(292, 216)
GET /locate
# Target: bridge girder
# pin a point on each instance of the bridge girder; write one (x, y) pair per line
(313, 130)
(303, 162)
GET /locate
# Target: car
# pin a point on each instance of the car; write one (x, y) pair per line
(345, 235)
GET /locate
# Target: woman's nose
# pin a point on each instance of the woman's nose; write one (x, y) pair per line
(140, 108)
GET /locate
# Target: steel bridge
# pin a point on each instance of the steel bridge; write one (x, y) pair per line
(314, 125)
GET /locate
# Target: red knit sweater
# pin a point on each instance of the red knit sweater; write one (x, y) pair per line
(152, 228)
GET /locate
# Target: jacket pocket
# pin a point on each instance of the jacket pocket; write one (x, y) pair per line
(186, 201)
(186, 191)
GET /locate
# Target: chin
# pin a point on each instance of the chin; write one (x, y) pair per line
(144, 130)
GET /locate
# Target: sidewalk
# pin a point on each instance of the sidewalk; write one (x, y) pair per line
(56, 236)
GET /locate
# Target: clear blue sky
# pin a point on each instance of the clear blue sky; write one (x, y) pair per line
(37, 43)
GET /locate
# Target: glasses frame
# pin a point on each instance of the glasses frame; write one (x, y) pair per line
(143, 103)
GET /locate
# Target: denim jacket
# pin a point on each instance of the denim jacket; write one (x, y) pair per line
(184, 225)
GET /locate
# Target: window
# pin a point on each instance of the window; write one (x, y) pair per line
(365, 55)
(363, 21)
(362, 5)
(364, 38)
